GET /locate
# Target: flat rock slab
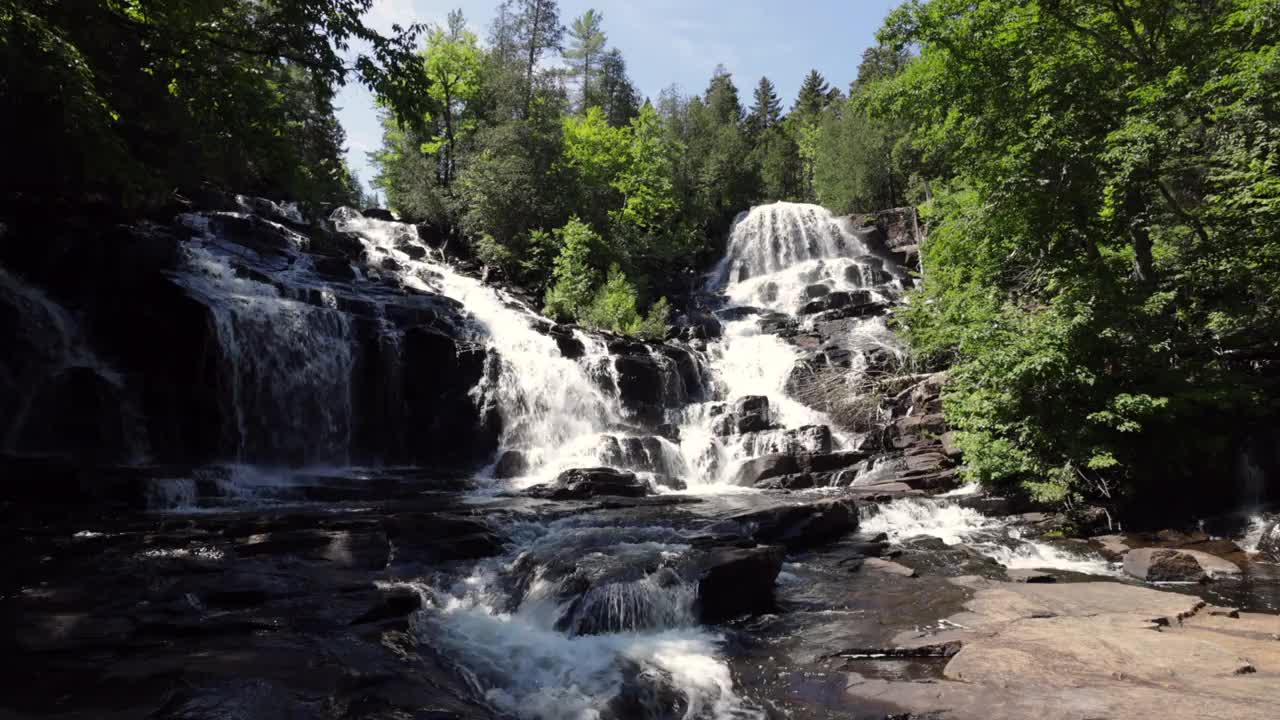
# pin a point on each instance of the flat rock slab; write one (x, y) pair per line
(1078, 651)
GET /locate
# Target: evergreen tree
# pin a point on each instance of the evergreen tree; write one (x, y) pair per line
(766, 110)
(536, 30)
(586, 46)
(617, 94)
(722, 97)
(814, 95)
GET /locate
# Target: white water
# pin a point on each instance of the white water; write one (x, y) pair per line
(523, 661)
(553, 409)
(289, 363)
(953, 524)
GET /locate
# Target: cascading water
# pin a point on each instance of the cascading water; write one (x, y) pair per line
(288, 363)
(553, 409)
(780, 257)
(955, 524)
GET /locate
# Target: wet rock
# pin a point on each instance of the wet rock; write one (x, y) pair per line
(364, 548)
(379, 214)
(644, 453)
(238, 699)
(570, 347)
(512, 464)
(1166, 565)
(585, 483)
(394, 602)
(391, 264)
(1269, 542)
(860, 299)
(738, 581)
(415, 252)
(812, 292)
(801, 526)
(647, 692)
(441, 537)
(334, 268)
(335, 244)
(262, 236)
(755, 470)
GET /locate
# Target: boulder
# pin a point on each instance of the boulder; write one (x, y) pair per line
(379, 214)
(812, 292)
(513, 463)
(262, 236)
(801, 526)
(585, 483)
(738, 581)
(765, 467)
(1167, 565)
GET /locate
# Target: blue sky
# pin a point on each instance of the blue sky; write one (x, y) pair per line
(669, 42)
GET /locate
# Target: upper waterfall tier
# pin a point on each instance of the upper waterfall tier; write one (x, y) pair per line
(784, 255)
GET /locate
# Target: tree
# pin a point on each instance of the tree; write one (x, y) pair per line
(766, 109)
(814, 96)
(454, 60)
(171, 93)
(536, 30)
(575, 276)
(722, 97)
(617, 94)
(1103, 245)
(587, 42)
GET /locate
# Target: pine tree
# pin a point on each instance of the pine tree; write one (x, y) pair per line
(537, 29)
(814, 96)
(584, 52)
(766, 111)
(617, 94)
(722, 97)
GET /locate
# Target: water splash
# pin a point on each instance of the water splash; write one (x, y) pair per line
(995, 537)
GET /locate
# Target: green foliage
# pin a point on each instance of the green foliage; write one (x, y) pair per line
(587, 41)
(131, 98)
(614, 309)
(1104, 249)
(574, 276)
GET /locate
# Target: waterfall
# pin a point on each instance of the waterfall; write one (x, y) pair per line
(553, 409)
(288, 363)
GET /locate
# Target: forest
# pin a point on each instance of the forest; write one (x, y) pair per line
(1100, 181)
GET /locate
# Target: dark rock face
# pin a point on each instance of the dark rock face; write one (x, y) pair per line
(379, 214)
(586, 483)
(738, 581)
(654, 378)
(117, 291)
(801, 526)
(749, 414)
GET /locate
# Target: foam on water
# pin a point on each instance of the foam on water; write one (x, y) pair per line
(953, 524)
(521, 658)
